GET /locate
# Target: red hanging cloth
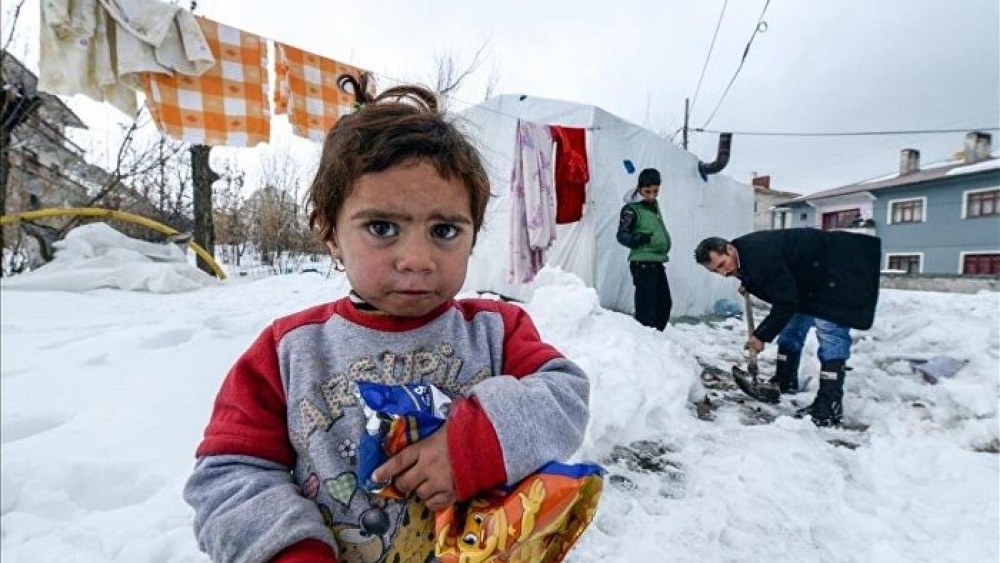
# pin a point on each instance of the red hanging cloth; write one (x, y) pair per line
(572, 172)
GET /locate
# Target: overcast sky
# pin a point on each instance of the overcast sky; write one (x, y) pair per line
(834, 66)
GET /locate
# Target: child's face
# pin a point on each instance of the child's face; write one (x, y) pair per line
(404, 236)
(649, 193)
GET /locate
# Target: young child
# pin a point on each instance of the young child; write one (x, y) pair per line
(399, 197)
(642, 230)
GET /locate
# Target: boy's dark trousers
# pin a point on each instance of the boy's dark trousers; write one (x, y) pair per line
(652, 294)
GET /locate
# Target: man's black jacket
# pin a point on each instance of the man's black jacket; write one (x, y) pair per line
(832, 275)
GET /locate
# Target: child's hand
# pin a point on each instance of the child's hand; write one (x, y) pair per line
(423, 469)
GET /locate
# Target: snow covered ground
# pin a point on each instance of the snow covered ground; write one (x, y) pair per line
(105, 394)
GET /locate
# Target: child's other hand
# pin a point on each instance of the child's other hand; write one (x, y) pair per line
(423, 469)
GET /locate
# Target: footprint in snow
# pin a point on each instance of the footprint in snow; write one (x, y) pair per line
(18, 428)
(168, 338)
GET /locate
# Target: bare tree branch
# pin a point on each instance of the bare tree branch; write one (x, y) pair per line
(13, 27)
(491, 85)
(137, 162)
(449, 78)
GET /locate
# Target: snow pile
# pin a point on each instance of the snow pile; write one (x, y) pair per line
(97, 256)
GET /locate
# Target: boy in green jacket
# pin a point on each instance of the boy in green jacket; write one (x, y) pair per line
(641, 228)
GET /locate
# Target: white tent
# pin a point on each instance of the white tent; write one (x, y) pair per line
(693, 208)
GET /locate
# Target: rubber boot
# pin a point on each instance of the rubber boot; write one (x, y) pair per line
(786, 372)
(828, 408)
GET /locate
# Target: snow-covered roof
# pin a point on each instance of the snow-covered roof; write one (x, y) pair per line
(928, 173)
(992, 164)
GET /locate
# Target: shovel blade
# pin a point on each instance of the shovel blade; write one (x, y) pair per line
(762, 391)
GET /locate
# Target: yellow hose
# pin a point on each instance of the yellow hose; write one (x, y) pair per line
(113, 214)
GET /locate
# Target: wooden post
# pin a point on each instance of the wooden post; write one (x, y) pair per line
(203, 177)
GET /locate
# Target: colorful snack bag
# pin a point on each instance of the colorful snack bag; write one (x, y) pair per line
(537, 520)
(397, 416)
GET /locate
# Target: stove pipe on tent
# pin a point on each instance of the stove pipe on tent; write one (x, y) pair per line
(721, 159)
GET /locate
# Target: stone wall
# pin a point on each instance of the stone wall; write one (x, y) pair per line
(946, 283)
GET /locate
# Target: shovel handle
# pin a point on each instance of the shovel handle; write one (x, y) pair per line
(748, 307)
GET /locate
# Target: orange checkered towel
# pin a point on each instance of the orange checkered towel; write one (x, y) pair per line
(306, 90)
(227, 105)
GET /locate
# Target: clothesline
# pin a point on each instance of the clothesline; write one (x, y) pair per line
(203, 81)
(398, 81)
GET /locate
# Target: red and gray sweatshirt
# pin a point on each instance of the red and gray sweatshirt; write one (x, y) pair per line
(276, 477)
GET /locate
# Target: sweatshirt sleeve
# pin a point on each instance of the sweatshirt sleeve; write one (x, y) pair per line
(476, 455)
(247, 507)
(533, 413)
(626, 234)
(248, 510)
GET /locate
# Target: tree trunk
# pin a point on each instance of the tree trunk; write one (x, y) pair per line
(4, 169)
(203, 177)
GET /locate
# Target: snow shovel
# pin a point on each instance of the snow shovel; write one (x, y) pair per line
(746, 380)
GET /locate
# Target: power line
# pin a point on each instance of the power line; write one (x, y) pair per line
(829, 160)
(761, 26)
(850, 133)
(708, 57)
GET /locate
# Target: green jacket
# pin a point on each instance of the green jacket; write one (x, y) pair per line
(637, 221)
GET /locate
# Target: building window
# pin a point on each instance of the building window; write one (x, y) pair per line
(780, 220)
(907, 211)
(981, 264)
(985, 203)
(840, 219)
(909, 263)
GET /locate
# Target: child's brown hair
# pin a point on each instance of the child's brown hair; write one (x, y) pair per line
(399, 125)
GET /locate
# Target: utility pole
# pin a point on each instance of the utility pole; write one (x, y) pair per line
(687, 114)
